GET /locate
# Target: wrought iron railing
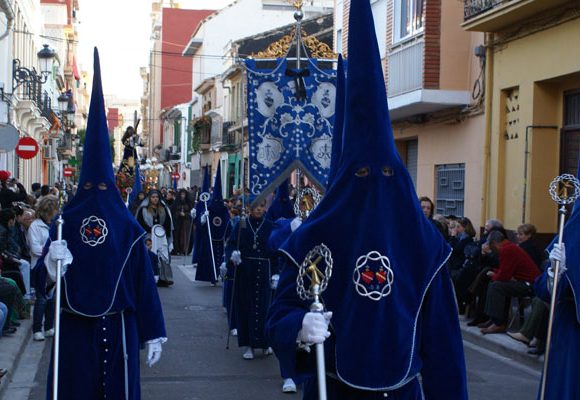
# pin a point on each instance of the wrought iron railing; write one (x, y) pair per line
(472, 8)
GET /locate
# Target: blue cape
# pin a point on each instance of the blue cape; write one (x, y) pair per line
(99, 230)
(386, 253)
(281, 206)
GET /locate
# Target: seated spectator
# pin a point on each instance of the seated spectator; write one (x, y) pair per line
(525, 235)
(13, 263)
(8, 293)
(534, 331)
(514, 277)
(473, 281)
(461, 236)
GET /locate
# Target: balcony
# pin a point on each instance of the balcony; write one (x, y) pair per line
(406, 91)
(495, 15)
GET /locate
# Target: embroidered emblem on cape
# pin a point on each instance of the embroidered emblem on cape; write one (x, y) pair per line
(320, 149)
(373, 276)
(216, 221)
(93, 231)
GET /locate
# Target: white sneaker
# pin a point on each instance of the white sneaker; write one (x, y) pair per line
(269, 351)
(49, 333)
(234, 332)
(288, 386)
(248, 354)
(38, 336)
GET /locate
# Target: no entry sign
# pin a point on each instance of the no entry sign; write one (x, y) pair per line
(26, 148)
(68, 172)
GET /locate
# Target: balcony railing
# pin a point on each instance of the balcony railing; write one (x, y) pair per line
(406, 68)
(472, 8)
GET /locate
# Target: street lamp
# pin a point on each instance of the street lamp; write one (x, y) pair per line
(63, 103)
(45, 57)
(22, 75)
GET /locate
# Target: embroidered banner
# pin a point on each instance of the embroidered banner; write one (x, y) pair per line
(291, 119)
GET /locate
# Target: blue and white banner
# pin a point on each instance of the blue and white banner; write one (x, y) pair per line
(291, 119)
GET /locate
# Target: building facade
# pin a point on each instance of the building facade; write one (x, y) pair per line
(533, 104)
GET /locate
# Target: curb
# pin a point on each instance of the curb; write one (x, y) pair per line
(503, 345)
(12, 348)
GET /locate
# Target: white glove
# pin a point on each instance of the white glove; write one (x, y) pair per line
(236, 257)
(223, 270)
(57, 251)
(274, 281)
(204, 217)
(153, 352)
(156, 277)
(558, 254)
(193, 213)
(296, 222)
(315, 328)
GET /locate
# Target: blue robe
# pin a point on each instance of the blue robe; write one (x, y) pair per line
(252, 293)
(110, 305)
(562, 382)
(91, 348)
(229, 277)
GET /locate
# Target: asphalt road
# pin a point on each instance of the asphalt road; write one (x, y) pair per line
(196, 365)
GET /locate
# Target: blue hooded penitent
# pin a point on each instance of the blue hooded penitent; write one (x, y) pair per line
(389, 291)
(562, 380)
(281, 206)
(199, 210)
(218, 221)
(338, 122)
(109, 299)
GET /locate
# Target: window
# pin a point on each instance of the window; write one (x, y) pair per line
(339, 41)
(450, 189)
(411, 159)
(379, 8)
(409, 18)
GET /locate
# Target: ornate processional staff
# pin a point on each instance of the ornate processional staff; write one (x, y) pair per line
(564, 190)
(318, 284)
(59, 223)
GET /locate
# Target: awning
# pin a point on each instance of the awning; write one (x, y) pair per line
(75, 70)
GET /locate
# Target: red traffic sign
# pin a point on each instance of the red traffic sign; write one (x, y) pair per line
(68, 172)
(26, 148)
(175, 175)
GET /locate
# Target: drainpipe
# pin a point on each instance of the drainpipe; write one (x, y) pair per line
(7, 9)
(488, 129)
(524, 200)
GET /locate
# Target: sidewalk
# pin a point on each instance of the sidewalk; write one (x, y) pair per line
(502, 344)
(11, 349)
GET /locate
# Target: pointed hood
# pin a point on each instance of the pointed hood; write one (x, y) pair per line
(97, 159)
(281, 206)
(338, 122)
(99, 230)
(137, 187)
(218, 211)
(386, 253)
(217, 195)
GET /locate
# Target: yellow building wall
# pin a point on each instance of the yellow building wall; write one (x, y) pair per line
(460, 143)
(542, 66)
